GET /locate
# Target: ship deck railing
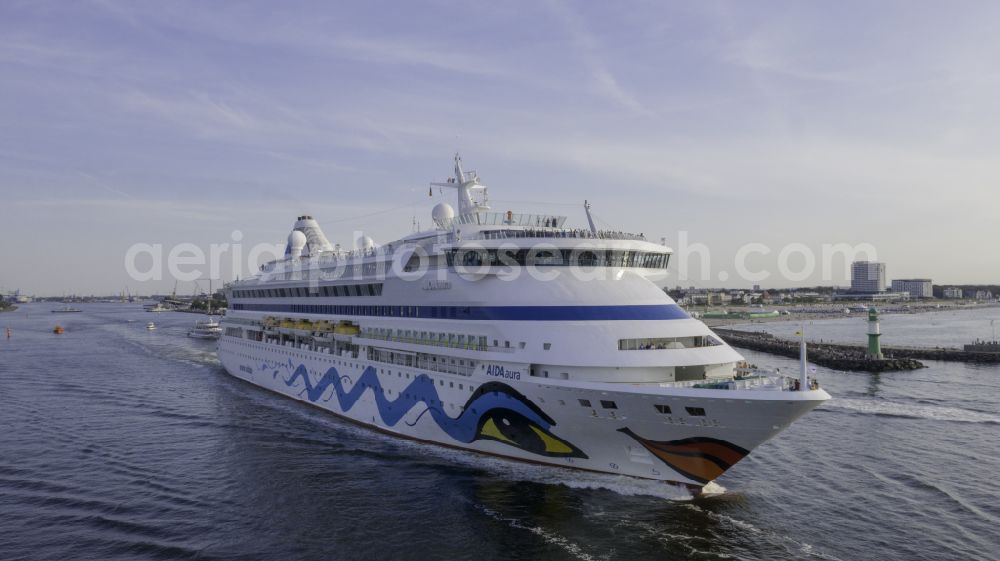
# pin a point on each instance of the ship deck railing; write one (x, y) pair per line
(533, 233)
(529, 226)
(434, 343)
(506, 219)
(758, 382)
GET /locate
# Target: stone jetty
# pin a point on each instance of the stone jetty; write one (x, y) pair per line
(841, 357)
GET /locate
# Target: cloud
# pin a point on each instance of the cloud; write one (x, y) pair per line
(588, 48)
(767, 51)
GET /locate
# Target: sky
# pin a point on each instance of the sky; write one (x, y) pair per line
(795, 125)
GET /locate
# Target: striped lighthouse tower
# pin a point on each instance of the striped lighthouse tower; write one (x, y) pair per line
(874, 346)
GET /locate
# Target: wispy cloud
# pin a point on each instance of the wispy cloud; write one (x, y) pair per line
(589, 49)
(766, 51)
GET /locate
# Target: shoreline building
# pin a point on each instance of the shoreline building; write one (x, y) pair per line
(867, 277)
(868, 283)
(917, 288)
(952, 292)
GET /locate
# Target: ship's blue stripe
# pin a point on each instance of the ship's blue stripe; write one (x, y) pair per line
(484, 313)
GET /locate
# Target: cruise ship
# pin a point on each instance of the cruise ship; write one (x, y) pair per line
(508, 334)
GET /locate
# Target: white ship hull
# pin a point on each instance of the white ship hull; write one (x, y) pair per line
(507, 334)
(542, 422)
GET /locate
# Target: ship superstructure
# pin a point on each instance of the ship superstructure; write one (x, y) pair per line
(509, 334)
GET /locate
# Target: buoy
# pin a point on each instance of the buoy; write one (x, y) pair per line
(8, 333)
(58, 330)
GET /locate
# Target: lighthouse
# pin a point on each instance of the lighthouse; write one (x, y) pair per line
(874, 347)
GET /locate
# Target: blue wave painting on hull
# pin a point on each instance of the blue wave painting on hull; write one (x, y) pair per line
(495, 411)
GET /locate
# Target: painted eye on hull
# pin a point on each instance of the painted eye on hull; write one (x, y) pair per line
(514, 429)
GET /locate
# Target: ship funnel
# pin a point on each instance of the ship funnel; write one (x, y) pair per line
(316, 241)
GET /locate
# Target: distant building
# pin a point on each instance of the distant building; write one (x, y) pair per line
(719, 299)
(952, 292)
(917, 288)
(805, 295)
(707, 298)
(984, 295)
(885, 296)
(867, 277)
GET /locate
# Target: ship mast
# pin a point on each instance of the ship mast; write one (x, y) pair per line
(590, 219)
(466, 183)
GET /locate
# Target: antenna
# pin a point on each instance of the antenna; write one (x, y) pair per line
(466, 182)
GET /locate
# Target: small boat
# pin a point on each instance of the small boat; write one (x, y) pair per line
(66, 310)
(206, 329)
(150, 326)
(58, 330)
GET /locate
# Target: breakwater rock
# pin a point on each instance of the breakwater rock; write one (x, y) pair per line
(841, 357)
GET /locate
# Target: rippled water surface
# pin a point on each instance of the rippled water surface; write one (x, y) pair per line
(120, 443)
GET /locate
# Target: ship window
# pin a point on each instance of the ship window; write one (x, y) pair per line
(662, 409)
(695, 411)
(584, 402)
(608, 404)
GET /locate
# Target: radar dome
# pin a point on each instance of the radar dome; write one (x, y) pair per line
(296, 242)
(365, 242)
(442, 214)
(296, 239)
